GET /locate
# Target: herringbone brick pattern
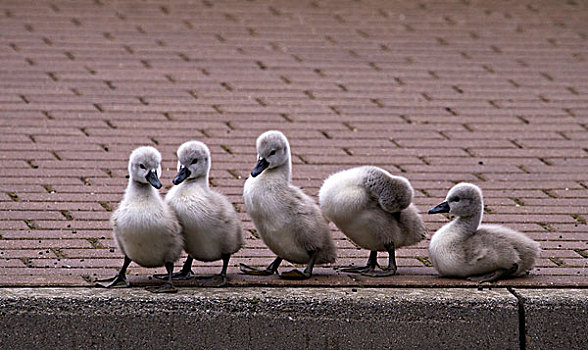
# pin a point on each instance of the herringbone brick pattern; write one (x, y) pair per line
(491, 92)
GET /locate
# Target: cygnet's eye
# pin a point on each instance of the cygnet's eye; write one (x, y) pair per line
(142, 166)
(456, 199)
(194, 161)
(272, 152)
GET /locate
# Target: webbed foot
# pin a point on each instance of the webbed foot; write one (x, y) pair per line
(357, 269)
(368, 268)
(110, 279)
(380, 273)
(116, 281)
(296, 275)
(248, 270)
(489, 277)
(119, 279)
(165, 288)
(390, 270)
(494, 275)
(178, 276)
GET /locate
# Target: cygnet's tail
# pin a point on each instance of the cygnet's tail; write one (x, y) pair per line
(328, 252)
(528, 252)
(412, 226)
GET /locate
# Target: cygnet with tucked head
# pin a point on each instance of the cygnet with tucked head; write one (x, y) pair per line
(484, 253)
(211, 227)
(288, 221)
(374, 209)
(144, 227)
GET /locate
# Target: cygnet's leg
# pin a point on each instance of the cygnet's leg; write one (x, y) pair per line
(494, 275)
(370, 266)
(185, 273)
(217, 280)
(391, 269)
(307, 273)
(121, 277)
(168, 287)
(270, 270)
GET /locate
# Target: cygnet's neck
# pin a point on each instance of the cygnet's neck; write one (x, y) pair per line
(200, 182)
(469, 224)
(135, 188)
(283, 172)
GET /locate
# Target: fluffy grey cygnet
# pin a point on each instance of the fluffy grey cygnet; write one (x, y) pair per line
(484, 253)
(210, 225)
(144, 227)
(373, 209)
(288, 221)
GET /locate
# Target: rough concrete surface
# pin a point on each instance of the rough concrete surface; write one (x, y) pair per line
(254, 318)
(556, 318)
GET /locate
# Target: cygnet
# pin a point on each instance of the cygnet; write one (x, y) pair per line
(144, 227)
(484, 253)
(210, 225)
(373, 209)
(288, 221)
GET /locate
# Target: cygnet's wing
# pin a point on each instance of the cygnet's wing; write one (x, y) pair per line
(116, 230)
(114, 221)
(230, 223)
(475, 250)
(305, 218)
(295, 202)
(393, 193)
(176, 226)
(491, 246)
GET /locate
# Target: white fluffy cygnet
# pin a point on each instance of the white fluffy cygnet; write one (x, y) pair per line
(288, 221)
(374, 210)
(485, 253)
(144, 227)
(210, 225)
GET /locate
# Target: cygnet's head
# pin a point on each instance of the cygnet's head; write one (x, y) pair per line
(273, 150)
(193, 161)
(463, 199)
(145, 166)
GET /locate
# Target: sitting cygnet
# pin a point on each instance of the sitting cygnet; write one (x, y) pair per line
(373, 209)
(145, 228)
(289, 222)
(211, 228)
(485, 253)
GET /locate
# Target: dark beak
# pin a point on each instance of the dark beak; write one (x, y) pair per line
(261, 165)
(441, 208)
(153, 180)
(182, 175)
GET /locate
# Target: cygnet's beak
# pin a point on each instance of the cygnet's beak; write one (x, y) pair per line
(182, 175)
(261, 165)
(441, 208)
(153, 179)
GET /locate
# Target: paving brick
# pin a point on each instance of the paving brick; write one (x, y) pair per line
(438, 92)
(26, 253)
(69, 233)
(9, 263)
(39, 244)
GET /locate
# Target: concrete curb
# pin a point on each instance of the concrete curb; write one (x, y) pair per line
(253, 318)
(555, 318)
(296, 318)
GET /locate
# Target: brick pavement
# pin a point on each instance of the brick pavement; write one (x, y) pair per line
(440, 92)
